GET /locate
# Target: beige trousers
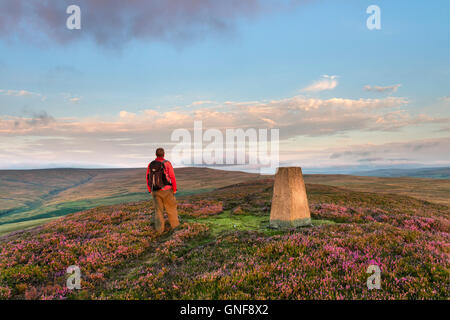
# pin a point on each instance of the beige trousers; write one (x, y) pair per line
(165, 199)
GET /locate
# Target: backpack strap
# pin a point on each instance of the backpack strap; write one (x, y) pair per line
(167, 175)
(149, 186)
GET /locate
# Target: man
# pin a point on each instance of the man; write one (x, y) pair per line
(161, 183)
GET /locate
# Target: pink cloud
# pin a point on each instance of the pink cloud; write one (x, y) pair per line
(294, 116)
(381, 89)
(325, 83)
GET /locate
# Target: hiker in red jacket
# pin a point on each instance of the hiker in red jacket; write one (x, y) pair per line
(161, 183)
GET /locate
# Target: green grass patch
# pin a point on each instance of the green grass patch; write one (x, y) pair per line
(319, 222)
(226, 222)
(11, 227)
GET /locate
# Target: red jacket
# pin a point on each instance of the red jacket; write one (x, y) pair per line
(170, 175)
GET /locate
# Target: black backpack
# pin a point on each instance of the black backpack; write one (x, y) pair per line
(156, 176)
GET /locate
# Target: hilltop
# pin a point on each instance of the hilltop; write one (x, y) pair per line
(225, 250)
(435, 173)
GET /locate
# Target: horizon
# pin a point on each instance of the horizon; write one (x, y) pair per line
(306, 171)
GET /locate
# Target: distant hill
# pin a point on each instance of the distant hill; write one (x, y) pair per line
(432, 190)
(30, 195)
(434, 173)
(33, 197)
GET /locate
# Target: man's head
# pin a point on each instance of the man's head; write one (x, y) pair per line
(160, 152)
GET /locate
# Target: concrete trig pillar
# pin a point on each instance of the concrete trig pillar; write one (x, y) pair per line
(289, 202)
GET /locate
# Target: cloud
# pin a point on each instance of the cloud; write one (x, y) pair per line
(295, 116)
(47, 139)
(37, 119)
(355, 157)
(431, 151)
(325, 83)
(445, 99)
(116, 22)
(22, 93)
(37, 151)
(17, 93)
(389, 89)
(201, 102)
(371, 159)
(337, 155)
(70, 97)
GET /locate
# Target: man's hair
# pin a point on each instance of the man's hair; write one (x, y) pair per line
(160, 152)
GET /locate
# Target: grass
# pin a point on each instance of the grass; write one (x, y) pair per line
(227, 221)
(24, 225)
(319, 222)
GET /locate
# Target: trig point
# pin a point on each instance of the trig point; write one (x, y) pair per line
(289, 202)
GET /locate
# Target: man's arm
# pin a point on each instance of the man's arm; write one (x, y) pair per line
(148, 186)
(172, 178)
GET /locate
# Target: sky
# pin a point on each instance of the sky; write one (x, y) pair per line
(343, 97)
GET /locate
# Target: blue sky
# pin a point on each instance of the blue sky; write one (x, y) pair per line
(59, 84)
